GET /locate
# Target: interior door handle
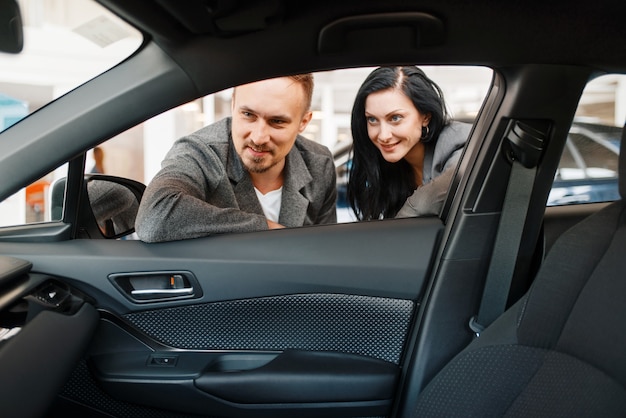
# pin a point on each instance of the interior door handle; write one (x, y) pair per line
(142, 287)
(160, 293)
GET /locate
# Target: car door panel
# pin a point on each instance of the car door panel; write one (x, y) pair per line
(328, 333)
(231, 384)
(383, 258)
(228, 382)
(37, 310)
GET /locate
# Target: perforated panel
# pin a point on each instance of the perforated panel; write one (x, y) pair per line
(369, 326)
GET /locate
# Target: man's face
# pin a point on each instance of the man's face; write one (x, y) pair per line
(267, 117)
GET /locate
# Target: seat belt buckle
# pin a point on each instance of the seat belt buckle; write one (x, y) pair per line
(475, 326)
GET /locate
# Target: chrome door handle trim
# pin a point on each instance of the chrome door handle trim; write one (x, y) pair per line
(162, 293)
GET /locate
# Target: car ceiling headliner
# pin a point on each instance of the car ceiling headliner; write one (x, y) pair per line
(484, 32)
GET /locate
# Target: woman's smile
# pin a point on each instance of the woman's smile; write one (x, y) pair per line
(387, 147)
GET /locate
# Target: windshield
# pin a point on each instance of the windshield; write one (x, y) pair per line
(66, 43)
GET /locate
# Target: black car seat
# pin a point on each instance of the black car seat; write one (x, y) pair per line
(561, 350)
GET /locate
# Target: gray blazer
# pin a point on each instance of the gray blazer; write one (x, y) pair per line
(203, 189)
(439, 165)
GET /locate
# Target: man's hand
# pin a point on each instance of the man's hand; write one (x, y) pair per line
(273, 225)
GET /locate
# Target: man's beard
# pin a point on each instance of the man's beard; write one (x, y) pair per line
(256, 166)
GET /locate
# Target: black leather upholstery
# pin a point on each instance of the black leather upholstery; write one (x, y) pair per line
(561, 350)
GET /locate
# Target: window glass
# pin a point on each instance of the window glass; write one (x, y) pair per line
(41, 201)
(588, 169)
(137, 153)
(66, 43)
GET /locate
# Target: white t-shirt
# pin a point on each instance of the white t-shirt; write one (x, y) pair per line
(270, 202)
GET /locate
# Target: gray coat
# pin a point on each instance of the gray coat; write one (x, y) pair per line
(440, 163)
(203, 189)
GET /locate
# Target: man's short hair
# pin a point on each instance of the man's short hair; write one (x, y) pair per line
(307, 82)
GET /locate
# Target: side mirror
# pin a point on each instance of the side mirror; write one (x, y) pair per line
(11, 31)
(108, 209)
(114, 202)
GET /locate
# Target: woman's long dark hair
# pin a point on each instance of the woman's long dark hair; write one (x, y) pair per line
(376, 188)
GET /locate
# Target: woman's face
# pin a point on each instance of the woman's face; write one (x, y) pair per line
(394, 125)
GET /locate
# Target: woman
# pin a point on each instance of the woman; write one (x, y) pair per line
(405, 147)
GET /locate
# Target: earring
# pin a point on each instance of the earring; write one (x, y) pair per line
(426, 133)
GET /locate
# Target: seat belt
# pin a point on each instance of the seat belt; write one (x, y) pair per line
(525, 145)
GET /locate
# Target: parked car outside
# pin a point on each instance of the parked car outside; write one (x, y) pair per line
(588, 170)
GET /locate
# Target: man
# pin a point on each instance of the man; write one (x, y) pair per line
(248, 172)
